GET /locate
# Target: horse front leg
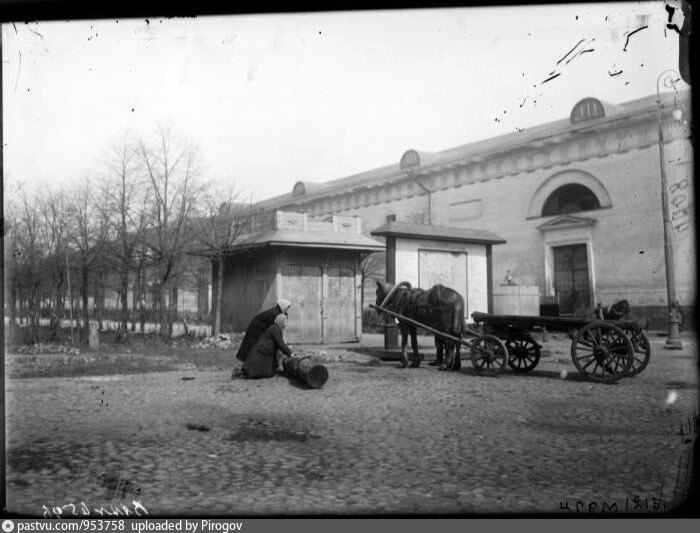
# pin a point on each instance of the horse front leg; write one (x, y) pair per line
(440, 352)
(414, 345)
(404, 341)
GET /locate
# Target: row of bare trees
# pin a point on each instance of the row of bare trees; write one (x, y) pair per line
(135, 223)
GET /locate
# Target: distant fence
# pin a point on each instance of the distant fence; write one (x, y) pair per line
(198, 330)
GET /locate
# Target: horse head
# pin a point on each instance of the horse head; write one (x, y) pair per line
(382, 290)
(385, 291)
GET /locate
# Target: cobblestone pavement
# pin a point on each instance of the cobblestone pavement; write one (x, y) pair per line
(376, 439)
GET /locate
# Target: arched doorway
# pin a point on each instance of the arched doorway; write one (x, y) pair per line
(563, 199)
(570, 198)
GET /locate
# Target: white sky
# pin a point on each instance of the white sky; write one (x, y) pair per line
(272, 99)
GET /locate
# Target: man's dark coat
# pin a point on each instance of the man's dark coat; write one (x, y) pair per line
(257, 326)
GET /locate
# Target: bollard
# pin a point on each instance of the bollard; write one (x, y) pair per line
(391, 336)
(673, 341)
(303, 368)
(94, 338)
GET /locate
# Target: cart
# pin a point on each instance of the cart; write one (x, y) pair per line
(487, 351)
(602, 350)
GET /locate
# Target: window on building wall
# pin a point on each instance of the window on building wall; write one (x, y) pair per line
(587, 109)
(570, 198)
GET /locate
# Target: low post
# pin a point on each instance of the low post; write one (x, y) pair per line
(303, 368)
(94, 338)
(673, 341)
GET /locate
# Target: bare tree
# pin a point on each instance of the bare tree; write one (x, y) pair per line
(53, 234)
(10, 227)
(87, 232)
(170, 167)
(420, 216)
(372, 266)
(28, 256)
(125, 208)
(221, 221)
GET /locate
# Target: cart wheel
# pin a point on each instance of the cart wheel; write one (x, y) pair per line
(523, 353)
(489, 353)
(602, 352)
(642, 350)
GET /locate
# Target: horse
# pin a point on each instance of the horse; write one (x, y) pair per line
(440, 307)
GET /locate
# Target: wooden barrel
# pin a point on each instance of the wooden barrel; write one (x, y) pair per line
(303, 368)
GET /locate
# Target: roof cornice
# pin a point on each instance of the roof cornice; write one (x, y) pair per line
(550, 134)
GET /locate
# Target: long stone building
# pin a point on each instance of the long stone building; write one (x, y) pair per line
(577, 200)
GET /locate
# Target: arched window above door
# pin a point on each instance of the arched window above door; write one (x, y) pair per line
(570, 198)
(569, 191)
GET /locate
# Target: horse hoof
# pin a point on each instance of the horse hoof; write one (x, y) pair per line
(404, 363)
(415, 365)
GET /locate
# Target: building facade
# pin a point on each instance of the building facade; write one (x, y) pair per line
(315, 264)
(428, 255)
(578, 201)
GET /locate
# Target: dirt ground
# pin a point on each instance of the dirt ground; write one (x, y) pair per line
(164, 430)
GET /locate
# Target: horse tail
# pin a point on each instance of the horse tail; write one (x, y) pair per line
(459, 323)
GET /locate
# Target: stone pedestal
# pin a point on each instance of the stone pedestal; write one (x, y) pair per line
(94, 338)
(391, 336)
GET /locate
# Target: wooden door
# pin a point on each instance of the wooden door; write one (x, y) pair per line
(301, 285)
(571, 278)
(339, 307)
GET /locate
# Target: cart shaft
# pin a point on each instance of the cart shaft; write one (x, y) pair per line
(421, 325)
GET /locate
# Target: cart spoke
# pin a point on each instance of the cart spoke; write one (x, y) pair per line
(590, 337)
(597, 336)
(586, 342)
(589, 363)
(619, 365)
